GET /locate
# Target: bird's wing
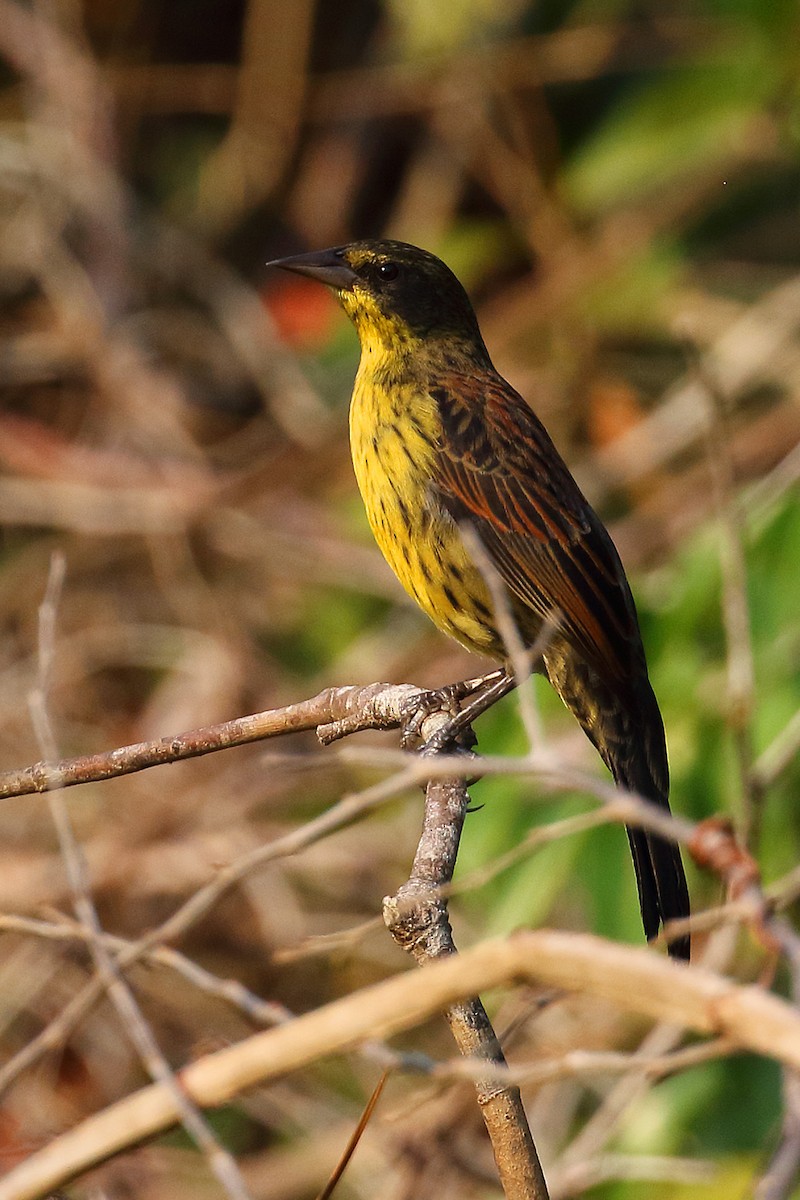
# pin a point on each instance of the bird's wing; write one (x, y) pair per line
(499, 471)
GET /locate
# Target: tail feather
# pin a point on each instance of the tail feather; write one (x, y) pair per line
(661, 882)
(628, 733)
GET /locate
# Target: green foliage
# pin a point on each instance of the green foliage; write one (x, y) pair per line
(637, 289)
(324, 623)
(695, 116)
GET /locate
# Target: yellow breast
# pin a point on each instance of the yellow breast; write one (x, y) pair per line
(394, 433)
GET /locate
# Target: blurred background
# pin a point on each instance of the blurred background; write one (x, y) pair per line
(617, 183)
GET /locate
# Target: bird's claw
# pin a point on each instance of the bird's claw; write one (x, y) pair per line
(445, 700)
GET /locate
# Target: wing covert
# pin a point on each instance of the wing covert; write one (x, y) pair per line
(499, 470)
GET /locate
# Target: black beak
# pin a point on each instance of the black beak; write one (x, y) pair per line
(327, 266)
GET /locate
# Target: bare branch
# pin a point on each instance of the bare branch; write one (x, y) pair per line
(221, 1163)
(376, 706)
(778, 756)
(339, 815)
(636, 979)
(418, 921)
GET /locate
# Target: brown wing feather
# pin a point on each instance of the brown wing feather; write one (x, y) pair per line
(499, 470)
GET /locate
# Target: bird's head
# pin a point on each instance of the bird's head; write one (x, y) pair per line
(394, 293)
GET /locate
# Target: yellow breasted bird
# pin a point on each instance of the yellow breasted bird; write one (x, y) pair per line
(440, 441)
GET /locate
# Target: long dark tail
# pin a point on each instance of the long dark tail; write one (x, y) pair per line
(629, 736)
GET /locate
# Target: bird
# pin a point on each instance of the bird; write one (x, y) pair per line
(441, 442)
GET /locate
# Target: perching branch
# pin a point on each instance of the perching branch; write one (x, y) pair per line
(418, 920)
(375, 706)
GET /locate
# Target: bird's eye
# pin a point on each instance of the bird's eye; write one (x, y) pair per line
(388, 271)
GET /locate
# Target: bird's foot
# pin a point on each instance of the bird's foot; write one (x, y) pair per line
(479, 693)
(445, 700)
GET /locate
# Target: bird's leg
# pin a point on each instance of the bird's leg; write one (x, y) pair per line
(484, 693)
(447, 699)
(468, 687)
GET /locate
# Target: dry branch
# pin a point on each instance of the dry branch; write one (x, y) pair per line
(375, 706)
(638, 980)
(418, 920)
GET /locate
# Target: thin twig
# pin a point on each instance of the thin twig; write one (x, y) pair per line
(263, 1012)
(350, 1148)
(735, 607)
(349, 809)
(606, 1168)
(379, 706)
(636, 979)
(221, 1163)
(780, 1177)
(778, 756)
